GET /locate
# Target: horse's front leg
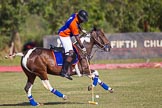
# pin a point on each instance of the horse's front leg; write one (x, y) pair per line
(96, 80)
(94, 75)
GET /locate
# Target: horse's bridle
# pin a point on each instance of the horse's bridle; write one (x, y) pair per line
(100, 45)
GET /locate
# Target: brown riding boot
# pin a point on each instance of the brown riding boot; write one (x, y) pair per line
(65, 67)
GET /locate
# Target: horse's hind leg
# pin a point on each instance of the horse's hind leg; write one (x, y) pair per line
(31, 77)
(48, 86)
(96, 81)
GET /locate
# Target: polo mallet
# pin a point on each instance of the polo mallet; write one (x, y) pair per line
(92, 101)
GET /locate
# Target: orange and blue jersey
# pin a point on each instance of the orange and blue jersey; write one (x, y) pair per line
(71, 27)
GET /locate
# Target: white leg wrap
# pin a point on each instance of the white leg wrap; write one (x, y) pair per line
(29, 91)
(95, 73)
(47, 85)
(77, 70)
(44, 84)
(99, 81)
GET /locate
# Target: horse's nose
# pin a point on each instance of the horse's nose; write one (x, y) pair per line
(107, 48)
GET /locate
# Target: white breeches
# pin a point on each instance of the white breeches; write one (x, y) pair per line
(67, 44)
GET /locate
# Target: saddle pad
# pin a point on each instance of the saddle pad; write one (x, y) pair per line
(59, 59)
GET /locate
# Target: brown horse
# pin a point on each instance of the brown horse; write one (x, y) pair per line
(40, 62)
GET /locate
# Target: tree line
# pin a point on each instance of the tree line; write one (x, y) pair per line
(110, 15)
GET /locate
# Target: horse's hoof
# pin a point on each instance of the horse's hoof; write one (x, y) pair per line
(89, 87)
(65, 97)
(33, 103)
(111, 90)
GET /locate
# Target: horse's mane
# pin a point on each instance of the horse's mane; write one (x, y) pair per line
(96, 29)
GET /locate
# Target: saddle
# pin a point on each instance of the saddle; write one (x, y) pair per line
(57, 49)
(59, 54)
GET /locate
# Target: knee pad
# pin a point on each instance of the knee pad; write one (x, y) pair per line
(72, 54)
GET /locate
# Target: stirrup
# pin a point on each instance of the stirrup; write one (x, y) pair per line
(68, 77)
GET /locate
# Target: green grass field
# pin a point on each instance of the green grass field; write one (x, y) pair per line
(134, 88)
(16, 61)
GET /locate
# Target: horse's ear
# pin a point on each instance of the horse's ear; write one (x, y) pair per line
(94, 28)
(102, 30)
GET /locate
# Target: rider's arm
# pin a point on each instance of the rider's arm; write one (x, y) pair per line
(81, 45)
(74, 27)
(78, 40)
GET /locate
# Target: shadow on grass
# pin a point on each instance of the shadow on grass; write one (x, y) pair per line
(48, 103)
(18, 104)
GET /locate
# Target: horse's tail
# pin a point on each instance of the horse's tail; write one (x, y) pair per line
(14, 55)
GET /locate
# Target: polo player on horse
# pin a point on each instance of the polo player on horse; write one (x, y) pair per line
(71, 28)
